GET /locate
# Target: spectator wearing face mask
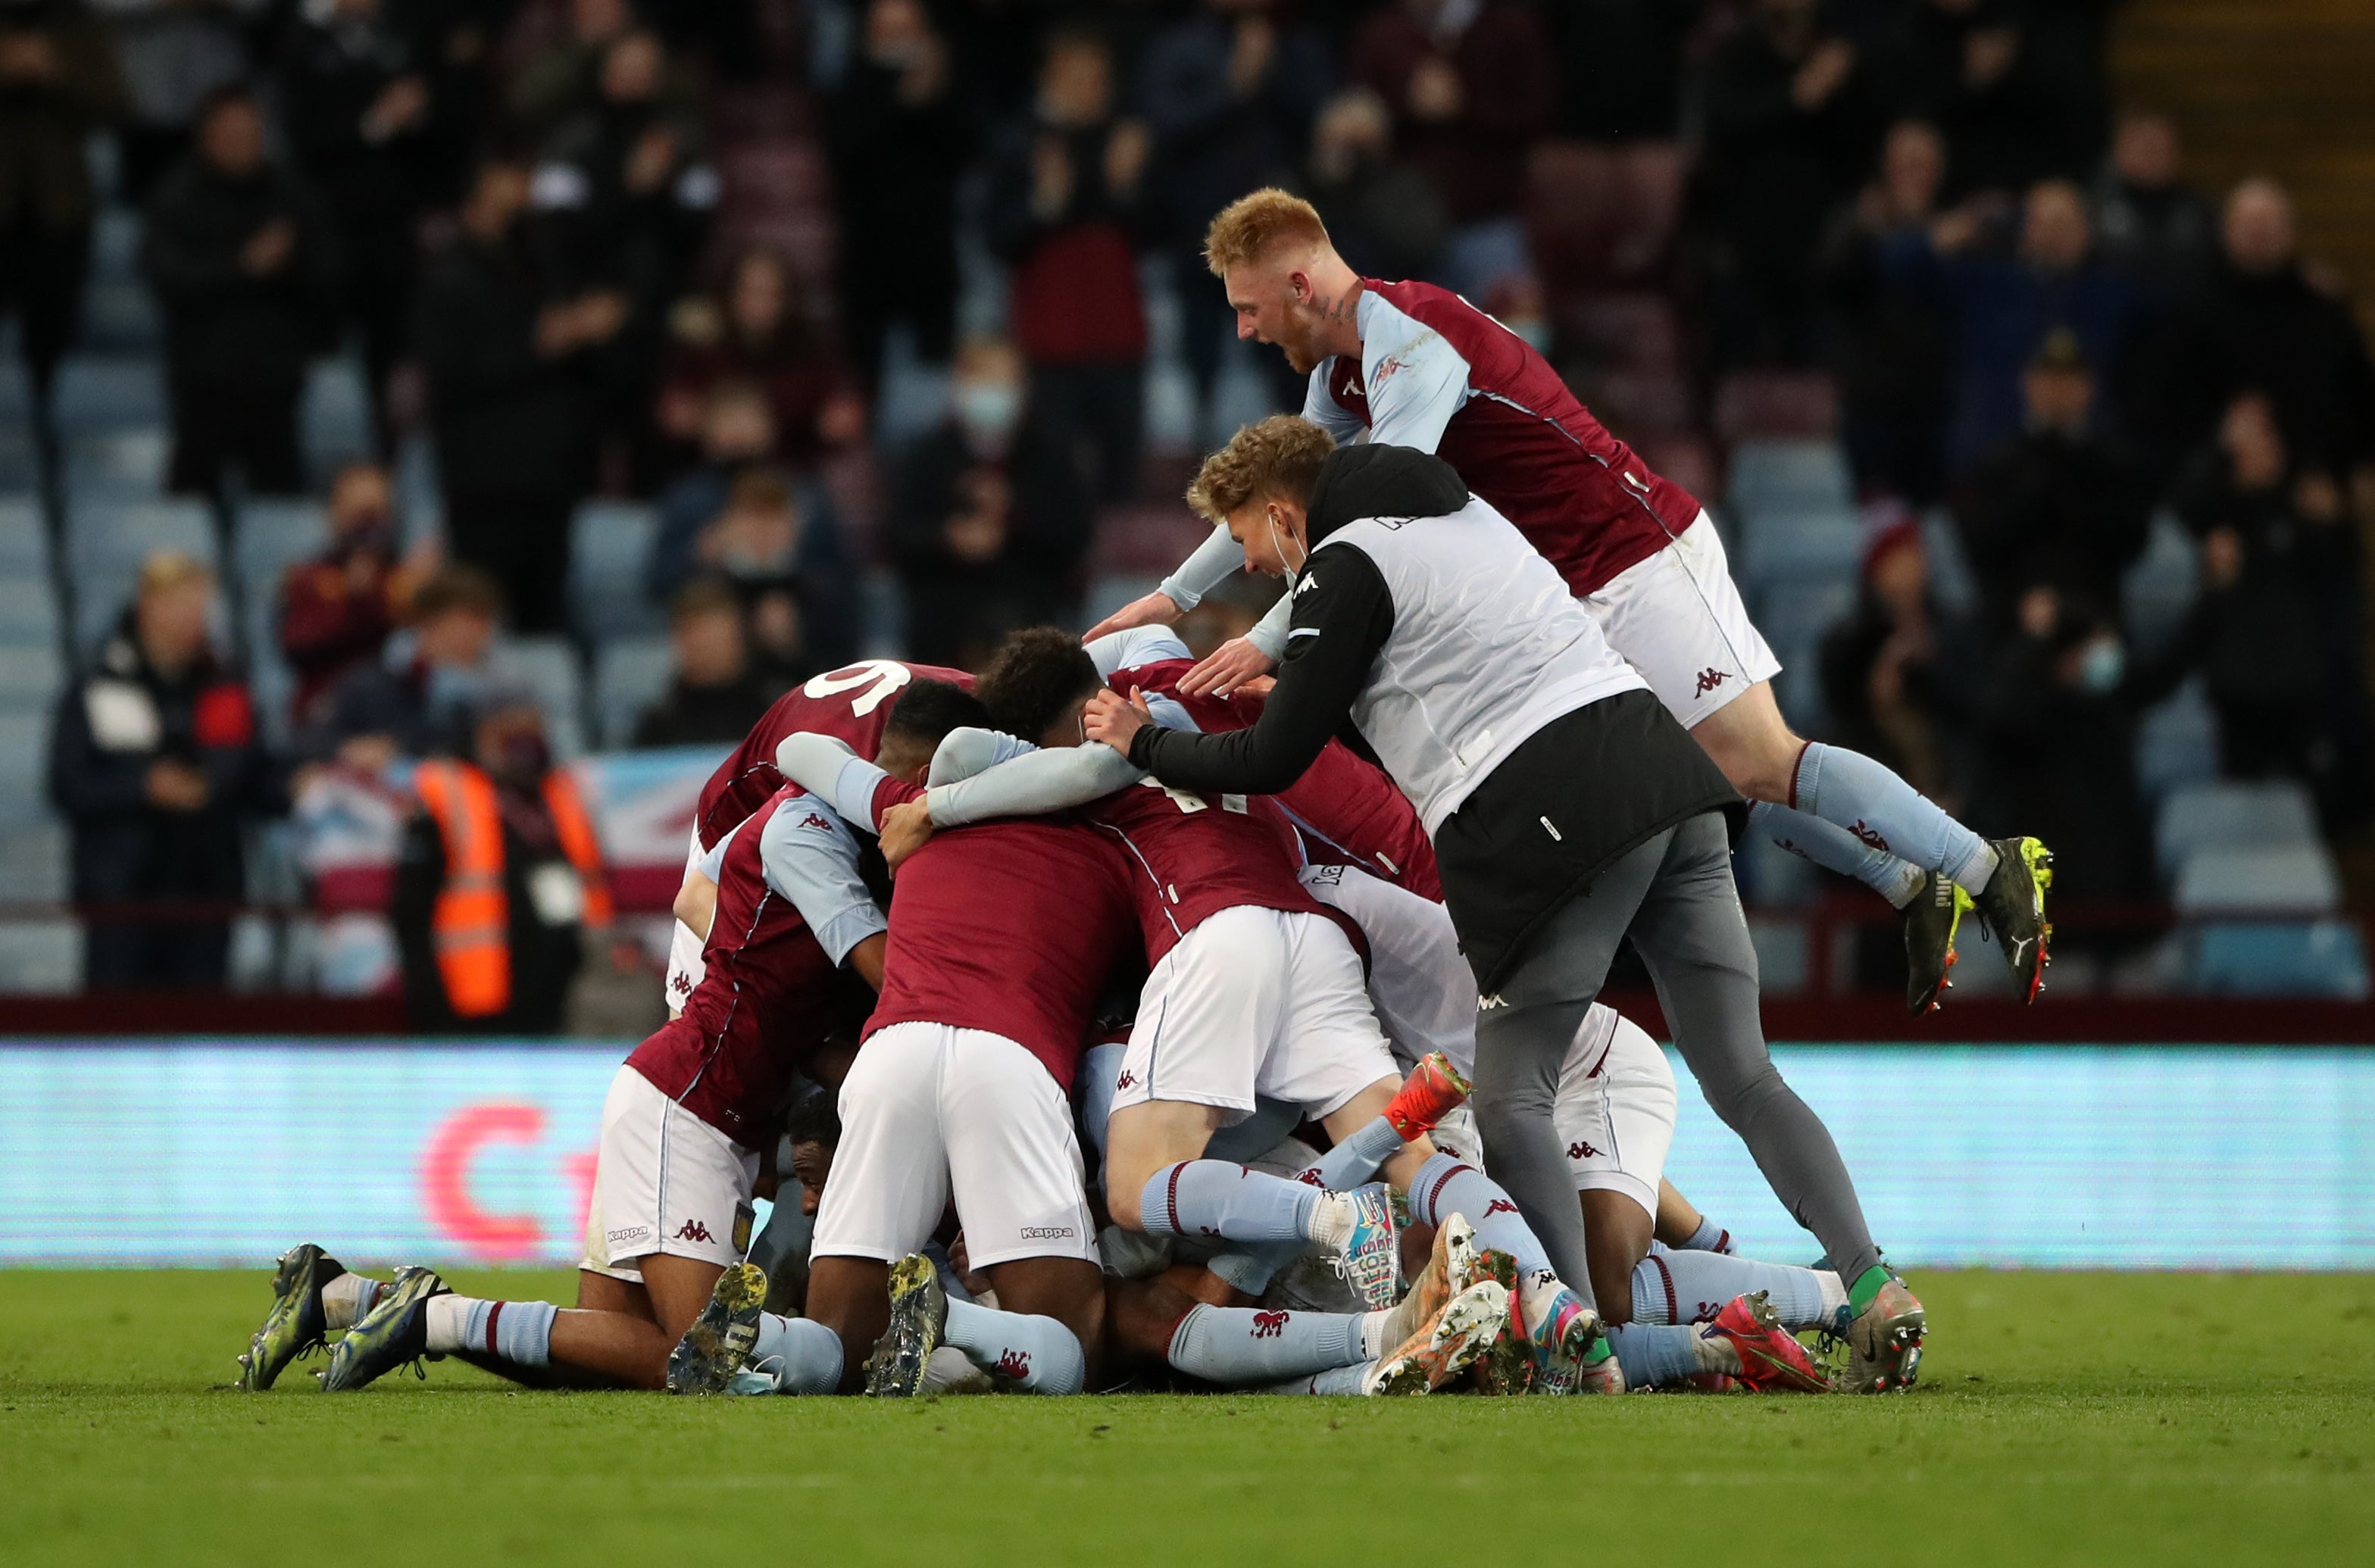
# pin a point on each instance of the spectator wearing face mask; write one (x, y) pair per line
(2057, 723)
(155, 764)
(987, 522)
(499, 882)
(415, 698)
(338, 609)
(716, 694)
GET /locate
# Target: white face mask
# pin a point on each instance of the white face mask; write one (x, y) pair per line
(1270, 519)
(990, 410)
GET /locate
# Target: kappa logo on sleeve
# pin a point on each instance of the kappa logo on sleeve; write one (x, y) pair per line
(814, 821)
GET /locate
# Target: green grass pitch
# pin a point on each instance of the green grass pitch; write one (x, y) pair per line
(2083, 1418)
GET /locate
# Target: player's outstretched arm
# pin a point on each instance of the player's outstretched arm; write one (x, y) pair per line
(834, 774)
(1033, 784)
(1341, 616)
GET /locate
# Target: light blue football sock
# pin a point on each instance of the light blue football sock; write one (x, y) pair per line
(1240, 1345)
(1708, 1237)
(1849, 790)
(1834, 848)
(1653, 1354)
(1692, 1287)
(1036, 1355)
(1338, 1380)
(1214, 1199)
(518, 1332)
(802, 1356)
(1445, 1186)
(1349, 1164)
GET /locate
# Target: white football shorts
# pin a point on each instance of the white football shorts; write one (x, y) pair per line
(1678, 619)
(666, 1181)
(929, 1112)
(1255, 1002)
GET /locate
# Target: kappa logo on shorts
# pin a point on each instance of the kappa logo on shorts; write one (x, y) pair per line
(680, 983)
(1710, 679)
(693, 1231)
(1270, 1325)
(1579, 1150)
(632, 1233)
(1015, 1364)
(1868, 834)
(1127, 1079)
(1047, 1233)
(1487, 1004)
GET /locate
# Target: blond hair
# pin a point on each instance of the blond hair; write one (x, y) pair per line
(1276, 459)
(1254, 227)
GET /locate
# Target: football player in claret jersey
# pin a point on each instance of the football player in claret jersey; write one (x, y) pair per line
(1254, 990)
(1412, 364)
(853, 705)
(797, 936)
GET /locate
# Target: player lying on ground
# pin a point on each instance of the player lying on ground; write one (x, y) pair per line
(681, 1130)
(1415, 365)
(1543, 769)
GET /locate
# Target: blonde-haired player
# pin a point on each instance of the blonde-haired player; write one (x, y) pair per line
(1416, 365)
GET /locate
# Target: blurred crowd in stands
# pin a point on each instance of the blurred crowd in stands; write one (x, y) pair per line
(869, 303)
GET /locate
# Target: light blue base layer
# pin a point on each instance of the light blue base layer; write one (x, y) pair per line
(2056, 1157)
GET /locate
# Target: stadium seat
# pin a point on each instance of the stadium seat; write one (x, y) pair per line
(1794, 617)
(1789, 476)
(1687, 459)
(97, 393)
(2287, 879)
(2267, 815)
(31, 676)
(41, 958)
(33, 863)
(24, 538)
(629, 674)
(29, 610)
(1796, 546)
(2316, 957)
(271, 684)
(334, 417)
(271, 536)
(548, 665)
(1656, 401)
(610, 545)
(2160, 587)
(24, 762)
(106, 542)
(2177, 742)
(122, 465)
(1952, 583)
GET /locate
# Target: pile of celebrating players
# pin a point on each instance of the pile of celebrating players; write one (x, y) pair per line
(1115, 1020)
